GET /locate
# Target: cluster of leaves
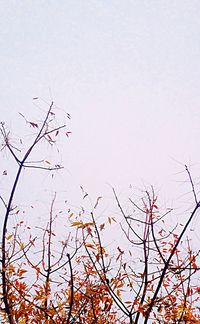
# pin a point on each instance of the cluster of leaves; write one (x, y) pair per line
(159, 284)
(152, 274)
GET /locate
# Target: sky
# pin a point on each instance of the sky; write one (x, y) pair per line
(128, 72)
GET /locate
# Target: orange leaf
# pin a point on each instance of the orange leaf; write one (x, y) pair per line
(9, 237)
(102, 226)
(77, 223)
(90, 245)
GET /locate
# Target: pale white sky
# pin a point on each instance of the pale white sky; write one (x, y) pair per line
(128, 72)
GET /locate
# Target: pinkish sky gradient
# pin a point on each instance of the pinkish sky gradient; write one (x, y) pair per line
(128, 72)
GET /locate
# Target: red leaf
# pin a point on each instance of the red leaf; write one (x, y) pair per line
(34, 125)
(67, 133)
